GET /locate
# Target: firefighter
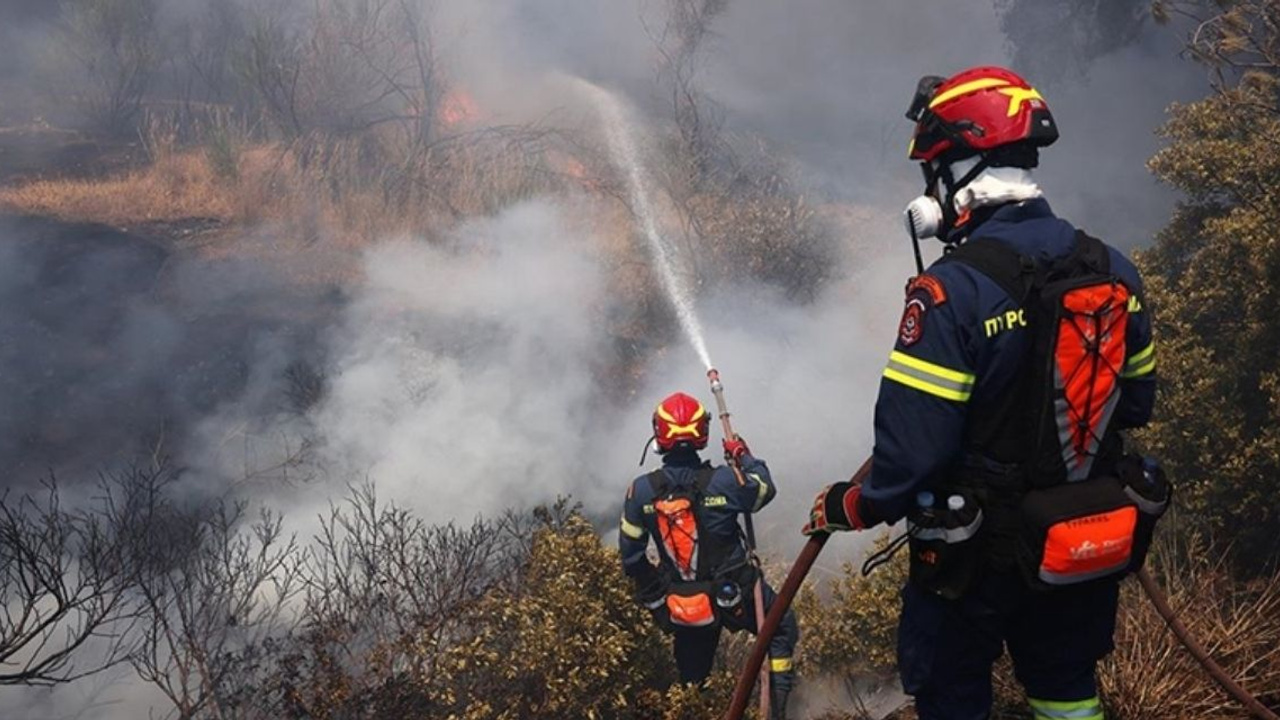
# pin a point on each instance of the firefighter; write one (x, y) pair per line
(704, 578)
(956, 418)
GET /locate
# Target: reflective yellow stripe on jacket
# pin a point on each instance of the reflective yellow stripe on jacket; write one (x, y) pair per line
(1141, 363)
(762, 490)
(930, 378)
(1090, 709)
(630, 529)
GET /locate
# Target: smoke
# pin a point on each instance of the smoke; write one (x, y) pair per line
(463, 373)
(827, 83)
(475, 373)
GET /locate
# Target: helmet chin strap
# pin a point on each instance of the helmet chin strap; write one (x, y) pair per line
(950, 231)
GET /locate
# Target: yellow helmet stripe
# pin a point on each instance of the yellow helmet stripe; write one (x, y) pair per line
(662, 413)
(966, 88)
(1018, 95)
(683, 430)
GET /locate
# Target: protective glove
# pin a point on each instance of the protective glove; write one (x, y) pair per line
(835, 508)
(653, 596)
(737, 447)
(662, 618)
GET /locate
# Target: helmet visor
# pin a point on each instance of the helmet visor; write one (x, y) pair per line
(924, 95)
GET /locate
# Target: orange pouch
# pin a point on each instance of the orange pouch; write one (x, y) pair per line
(1077, 532)
(689, 605)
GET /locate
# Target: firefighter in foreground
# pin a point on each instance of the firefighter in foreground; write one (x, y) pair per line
(1020, 357)
(704, 577)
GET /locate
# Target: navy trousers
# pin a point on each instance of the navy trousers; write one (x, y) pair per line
(695, 648)
(946, 648)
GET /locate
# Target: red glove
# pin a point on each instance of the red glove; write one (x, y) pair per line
(835, 508)
(737, 447)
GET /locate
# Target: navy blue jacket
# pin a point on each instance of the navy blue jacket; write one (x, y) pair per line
(960, 347)
(724, 501)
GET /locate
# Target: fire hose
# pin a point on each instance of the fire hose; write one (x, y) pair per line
(787, 593)
(1161, 603)
(804, 561)
(717, 389)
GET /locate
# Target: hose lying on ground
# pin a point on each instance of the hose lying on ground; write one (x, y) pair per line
(742, 691)
(1161, 603)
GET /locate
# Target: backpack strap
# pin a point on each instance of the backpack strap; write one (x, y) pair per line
(1014, 272)
(658, 482)
(1092, 253)
(702, 480)
(1017, 274)
(660, 485)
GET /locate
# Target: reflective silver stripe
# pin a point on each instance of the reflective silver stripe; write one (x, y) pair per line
(1093, 713)
(1053, 578)
(657, 603)
(1078, 467)
(631, 530)
(762, 491)
(928, 377)
(948, 535)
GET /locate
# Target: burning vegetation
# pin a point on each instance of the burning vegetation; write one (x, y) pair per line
(279, 133)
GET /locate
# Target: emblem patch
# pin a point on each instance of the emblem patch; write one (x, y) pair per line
(911, 328)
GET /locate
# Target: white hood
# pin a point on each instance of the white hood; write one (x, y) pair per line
(993, 186)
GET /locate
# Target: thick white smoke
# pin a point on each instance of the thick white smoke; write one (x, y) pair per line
(462, 372)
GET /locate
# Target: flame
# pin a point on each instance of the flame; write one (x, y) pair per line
(575, 169)
(457, 107)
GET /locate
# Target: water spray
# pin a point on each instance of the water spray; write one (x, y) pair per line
(620, 137)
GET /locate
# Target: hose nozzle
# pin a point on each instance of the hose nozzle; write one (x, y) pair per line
(714, 376)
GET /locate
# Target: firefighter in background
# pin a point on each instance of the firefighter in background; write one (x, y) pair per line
(985, 447)
(704, 577)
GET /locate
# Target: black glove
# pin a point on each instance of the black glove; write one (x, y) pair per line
(835, 508)
(662, 618)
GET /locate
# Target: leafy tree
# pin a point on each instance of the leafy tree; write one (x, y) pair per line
(566, 642)
(1213, 279)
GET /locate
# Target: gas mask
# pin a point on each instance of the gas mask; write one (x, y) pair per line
(933, 214)
(923, 217)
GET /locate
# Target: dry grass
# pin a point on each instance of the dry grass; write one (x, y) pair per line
(350, 190)
(178, 187)
(1151, 675)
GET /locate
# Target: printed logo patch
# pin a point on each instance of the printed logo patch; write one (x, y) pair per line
(912, 326)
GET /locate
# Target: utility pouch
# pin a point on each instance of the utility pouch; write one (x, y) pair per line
(690, 605)
(1149, 488)
(946, 551)
(1076, 532)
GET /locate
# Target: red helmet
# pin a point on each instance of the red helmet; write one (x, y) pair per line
(976, 112)
(681, 421)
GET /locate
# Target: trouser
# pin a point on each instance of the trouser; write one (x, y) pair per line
(695, 648)
(1055, 638)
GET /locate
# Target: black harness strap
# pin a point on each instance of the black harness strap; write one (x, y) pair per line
(710, 552)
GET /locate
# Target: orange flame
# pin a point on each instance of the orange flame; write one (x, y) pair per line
(458, 108)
